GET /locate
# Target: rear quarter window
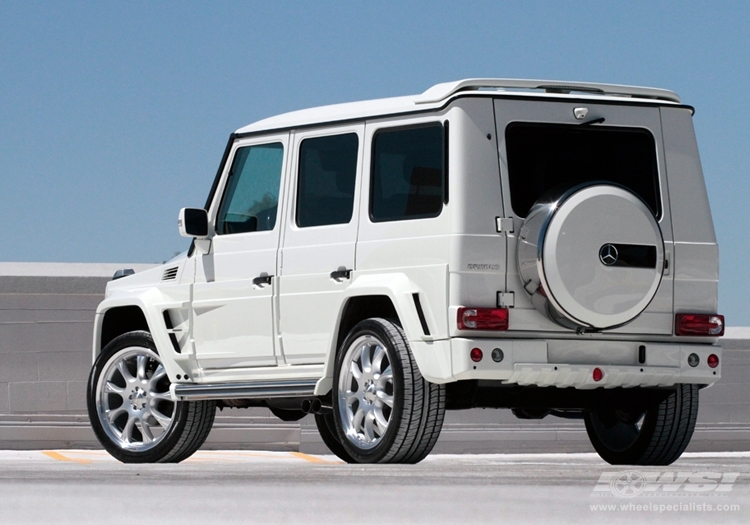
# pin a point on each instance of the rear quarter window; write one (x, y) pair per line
(408, 173)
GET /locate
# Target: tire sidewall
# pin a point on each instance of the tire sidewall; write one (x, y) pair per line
(630, 454)
(378, 452)
(131, 339)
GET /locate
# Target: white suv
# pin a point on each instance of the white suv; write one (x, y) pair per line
(540, 246)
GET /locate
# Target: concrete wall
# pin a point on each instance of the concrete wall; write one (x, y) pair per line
(46, 324)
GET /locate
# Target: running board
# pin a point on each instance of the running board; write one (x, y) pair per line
(254, 390)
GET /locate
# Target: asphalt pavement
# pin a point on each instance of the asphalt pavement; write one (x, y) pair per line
(228, 487)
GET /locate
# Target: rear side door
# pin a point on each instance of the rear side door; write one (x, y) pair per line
(319, 239)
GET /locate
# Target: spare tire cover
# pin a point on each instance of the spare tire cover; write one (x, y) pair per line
(593, 258)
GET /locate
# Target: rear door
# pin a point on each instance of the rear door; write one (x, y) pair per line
(319, 238)
(546, 146)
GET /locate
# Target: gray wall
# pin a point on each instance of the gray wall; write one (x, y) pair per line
(46, 324)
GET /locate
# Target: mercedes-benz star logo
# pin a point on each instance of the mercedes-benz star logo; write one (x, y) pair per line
(608, 255)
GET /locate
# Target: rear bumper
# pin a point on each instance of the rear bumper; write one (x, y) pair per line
(568, 363)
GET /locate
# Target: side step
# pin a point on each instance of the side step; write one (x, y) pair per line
(254, 390)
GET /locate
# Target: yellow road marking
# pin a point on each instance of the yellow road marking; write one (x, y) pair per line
(59, 457)
(313, 459)
(204, 456)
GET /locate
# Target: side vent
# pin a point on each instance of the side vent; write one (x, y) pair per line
(420, 313)
(169, 274)
(171, 329)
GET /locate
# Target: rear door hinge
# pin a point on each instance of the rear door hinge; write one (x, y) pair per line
(506, 299)
(504, 224)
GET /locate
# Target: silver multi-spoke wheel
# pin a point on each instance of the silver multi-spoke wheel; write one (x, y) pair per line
(384, 411)
(366, 391)
(130, 408)
(133, 401)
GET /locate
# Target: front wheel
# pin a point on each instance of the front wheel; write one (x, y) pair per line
(656, 434)
(383, 409)
(131, 410)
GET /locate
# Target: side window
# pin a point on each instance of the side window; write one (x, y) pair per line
(327, 173)
(408, 174)
(252, 196)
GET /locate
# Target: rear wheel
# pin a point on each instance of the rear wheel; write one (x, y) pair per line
(327, 430)
(656, 434)
(383, 409)
(131, 410)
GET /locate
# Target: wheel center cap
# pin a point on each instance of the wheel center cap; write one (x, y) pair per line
(138, 398)
(370, 391)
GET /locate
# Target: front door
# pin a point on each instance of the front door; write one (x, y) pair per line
(232, 304)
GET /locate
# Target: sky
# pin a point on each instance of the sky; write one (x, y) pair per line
(114, 115)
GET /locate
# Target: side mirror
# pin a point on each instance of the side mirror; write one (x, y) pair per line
(193, 222)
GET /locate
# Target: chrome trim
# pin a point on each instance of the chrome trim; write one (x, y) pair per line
(254, 390)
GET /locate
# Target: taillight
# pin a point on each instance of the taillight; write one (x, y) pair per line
(699, 324)
(713, 360)
(482, 318)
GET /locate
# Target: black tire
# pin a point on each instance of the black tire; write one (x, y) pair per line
(653, 435)
(181, 427)
(414, 421)
(327, 430)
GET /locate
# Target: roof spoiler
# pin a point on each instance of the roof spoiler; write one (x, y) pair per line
(440, 92)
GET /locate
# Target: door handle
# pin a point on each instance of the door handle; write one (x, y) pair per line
(262, 279)
(339, 275)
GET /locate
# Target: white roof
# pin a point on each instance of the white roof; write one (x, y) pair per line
(439, 94)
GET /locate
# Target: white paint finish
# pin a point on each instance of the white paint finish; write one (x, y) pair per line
(433, 359)
(438, 95)
(152, 301)
(442, 91)
(261, 373)
(656, 318)
(309, 298)
(562, 363)
(416, 248)
(477, 251)
(691, 211)
(602, 353)
(241, 331)
(233, 318)
(696, 278)
(473, 172)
